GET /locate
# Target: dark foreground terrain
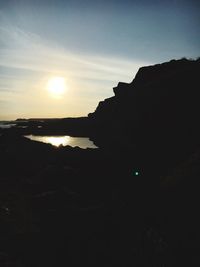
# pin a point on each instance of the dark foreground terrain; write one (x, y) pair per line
(134, 201)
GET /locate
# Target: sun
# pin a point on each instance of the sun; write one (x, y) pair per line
(56, 86)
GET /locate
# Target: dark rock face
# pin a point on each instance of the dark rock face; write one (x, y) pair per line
(157, 111)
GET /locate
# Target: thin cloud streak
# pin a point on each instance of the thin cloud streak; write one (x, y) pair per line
(31, 61)
(34, 54)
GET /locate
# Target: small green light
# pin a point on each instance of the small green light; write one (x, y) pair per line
(136, 173)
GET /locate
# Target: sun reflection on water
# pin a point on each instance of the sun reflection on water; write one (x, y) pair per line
(53, 140)
(57, 141)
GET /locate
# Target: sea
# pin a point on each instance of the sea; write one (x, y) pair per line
(7, 124)
(64, 140)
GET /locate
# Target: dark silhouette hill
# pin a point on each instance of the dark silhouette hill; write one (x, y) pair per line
(155, 115)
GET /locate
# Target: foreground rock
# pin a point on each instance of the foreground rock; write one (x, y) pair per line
(156, 115)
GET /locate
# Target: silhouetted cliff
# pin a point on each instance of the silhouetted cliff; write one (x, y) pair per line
(158, 112)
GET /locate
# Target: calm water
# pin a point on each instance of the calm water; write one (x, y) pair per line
(81, 142)
(6, 124)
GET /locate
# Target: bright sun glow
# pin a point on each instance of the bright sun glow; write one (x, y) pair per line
(56, 86)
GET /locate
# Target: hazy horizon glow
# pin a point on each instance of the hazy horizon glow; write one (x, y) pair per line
(92, 45)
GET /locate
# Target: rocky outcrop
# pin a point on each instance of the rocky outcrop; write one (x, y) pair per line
(157, 112)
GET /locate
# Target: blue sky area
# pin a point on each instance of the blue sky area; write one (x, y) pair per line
(91, 44)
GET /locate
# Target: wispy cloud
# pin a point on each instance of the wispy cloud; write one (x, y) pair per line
(27, 61)
(29, 51)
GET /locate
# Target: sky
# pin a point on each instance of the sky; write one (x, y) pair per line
(92, 45)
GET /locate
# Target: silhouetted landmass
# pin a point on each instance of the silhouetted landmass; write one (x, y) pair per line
(157, 112)
(134, 201)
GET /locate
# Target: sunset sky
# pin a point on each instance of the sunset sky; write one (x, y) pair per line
(60, 58)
